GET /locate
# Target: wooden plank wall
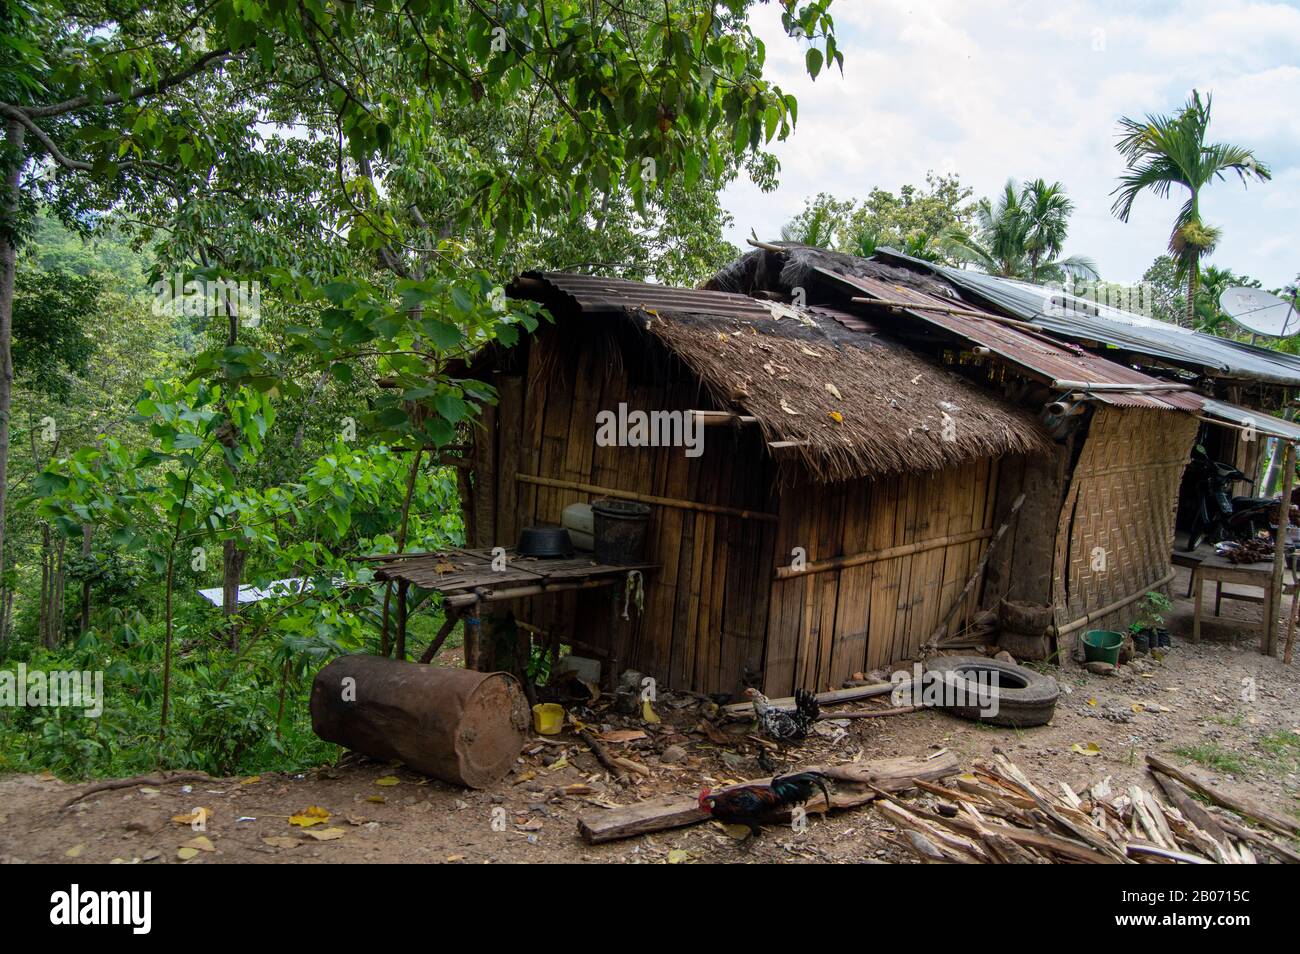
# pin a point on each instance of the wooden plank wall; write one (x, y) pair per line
(823, 627)
(705, 618)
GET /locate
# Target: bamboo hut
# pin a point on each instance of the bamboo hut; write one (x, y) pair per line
(868, 429)
(841, 501)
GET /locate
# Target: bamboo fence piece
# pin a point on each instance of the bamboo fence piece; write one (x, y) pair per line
(1115, 535)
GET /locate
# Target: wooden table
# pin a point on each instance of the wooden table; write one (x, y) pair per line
(470, 578)
(1220, 571)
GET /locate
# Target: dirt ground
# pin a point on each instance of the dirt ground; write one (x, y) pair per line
(1191, 705)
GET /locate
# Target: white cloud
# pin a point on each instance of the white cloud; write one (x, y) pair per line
(1017, 89)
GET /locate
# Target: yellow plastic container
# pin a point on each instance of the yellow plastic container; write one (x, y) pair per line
(548, 718)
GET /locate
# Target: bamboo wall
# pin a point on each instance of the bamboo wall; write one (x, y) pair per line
(704, 619)
(823, 627)
(716, 618)
(1121, 503)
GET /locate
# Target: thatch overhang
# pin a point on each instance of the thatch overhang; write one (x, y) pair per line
(846, 403)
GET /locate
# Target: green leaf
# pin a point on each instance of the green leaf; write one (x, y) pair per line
(813, 60)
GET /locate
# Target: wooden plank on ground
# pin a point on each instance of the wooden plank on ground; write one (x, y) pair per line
(1206, 785)
(853, 787)
(834, 697)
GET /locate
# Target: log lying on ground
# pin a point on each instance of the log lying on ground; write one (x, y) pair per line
(742, 710)
(1202, 783)
(458, 725)
(853, 787)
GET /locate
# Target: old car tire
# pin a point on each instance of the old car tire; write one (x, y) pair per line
(1025, 697)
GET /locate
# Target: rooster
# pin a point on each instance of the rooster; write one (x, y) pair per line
(751, 804)
(785, 725)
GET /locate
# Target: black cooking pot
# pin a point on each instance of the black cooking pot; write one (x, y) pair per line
(545, 542)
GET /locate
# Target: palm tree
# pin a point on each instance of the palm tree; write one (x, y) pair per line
(1167, 151)
(1021, 235)
(1046, 210)
(815, 227)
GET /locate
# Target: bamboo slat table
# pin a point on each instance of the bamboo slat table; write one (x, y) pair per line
(469, 578)
(1219, 571)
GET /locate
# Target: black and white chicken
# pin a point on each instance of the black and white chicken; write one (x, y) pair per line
(785, 725)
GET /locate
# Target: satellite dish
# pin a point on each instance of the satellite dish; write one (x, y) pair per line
(1258, 311)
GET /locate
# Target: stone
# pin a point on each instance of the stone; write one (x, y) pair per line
(673, 754)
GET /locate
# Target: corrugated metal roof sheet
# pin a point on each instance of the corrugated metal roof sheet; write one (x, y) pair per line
(1083, 320)
(594, 294)
(1055, 361)
(1263, 423)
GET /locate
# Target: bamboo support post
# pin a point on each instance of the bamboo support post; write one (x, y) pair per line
(447, 626)
(1270, 640)
(400, 649)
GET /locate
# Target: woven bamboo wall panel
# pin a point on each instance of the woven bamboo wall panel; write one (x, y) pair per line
(1116, 527)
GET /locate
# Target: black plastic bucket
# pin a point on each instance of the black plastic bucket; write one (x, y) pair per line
(619, 531)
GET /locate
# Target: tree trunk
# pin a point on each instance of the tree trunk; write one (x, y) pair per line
(1191, 294)
(232, 569)
(43, 609)
(87, 532)
(8, 264)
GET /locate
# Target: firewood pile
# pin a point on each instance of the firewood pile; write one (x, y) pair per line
(996, 815)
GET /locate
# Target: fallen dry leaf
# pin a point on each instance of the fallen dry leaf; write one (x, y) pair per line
(202, 843)
(311, 815)
(280, 841)
(325, 834)
(388, 780)
(199, 815)
(185, 854)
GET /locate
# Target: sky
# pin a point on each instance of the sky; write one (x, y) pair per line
(997, 89)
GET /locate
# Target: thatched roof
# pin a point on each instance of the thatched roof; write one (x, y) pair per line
(852, 404)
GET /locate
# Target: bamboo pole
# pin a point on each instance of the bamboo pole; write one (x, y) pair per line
(535, 589)
(875, 556)
(713, 418)
(1290, 629)
(979, 572)
(1118, 386)
(1115, 607)
(645, 498)
(1270, 641)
